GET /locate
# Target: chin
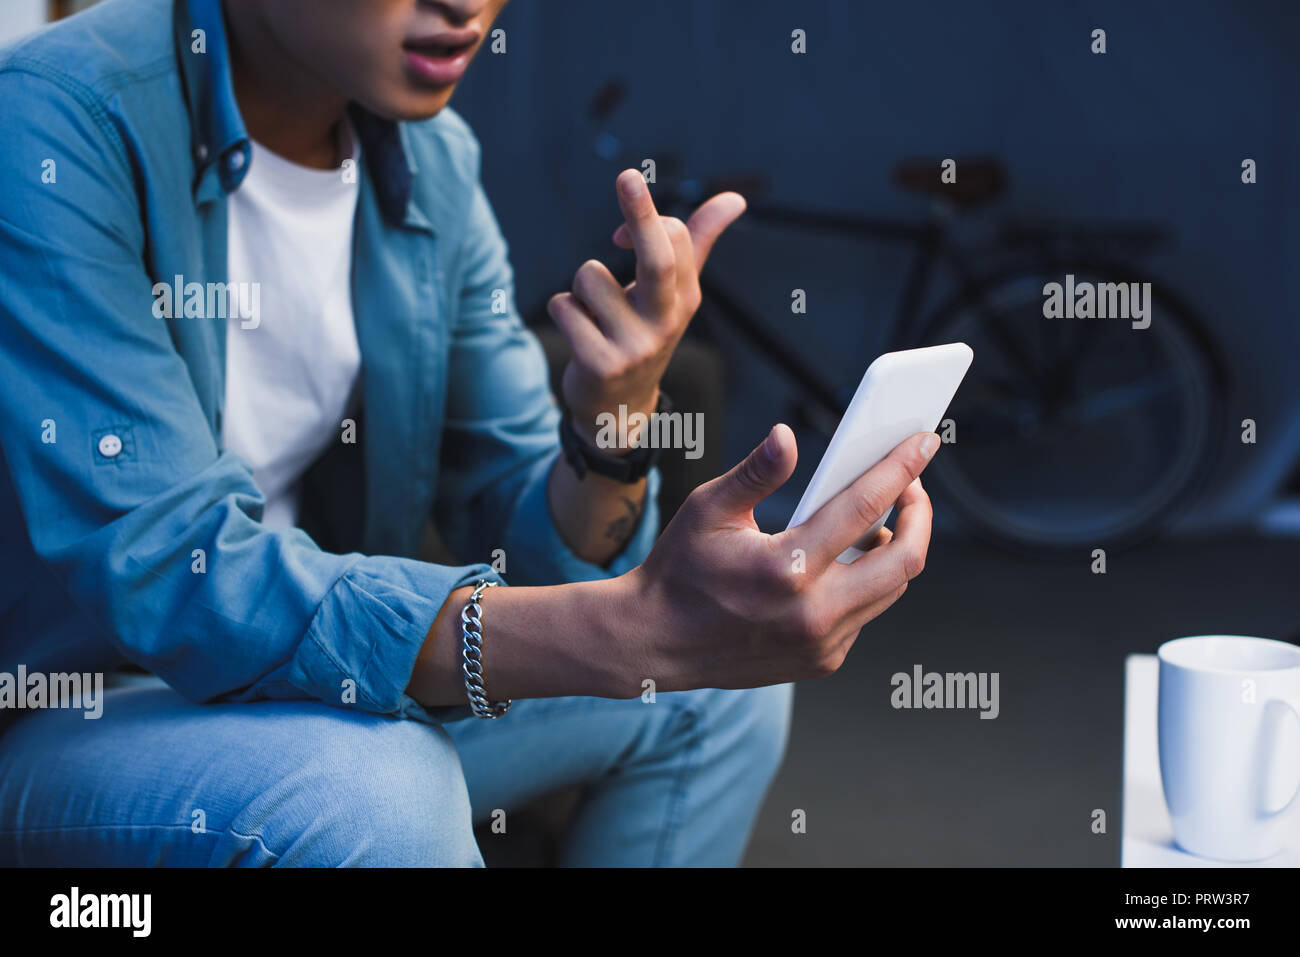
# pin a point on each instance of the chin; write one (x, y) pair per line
(410, 106)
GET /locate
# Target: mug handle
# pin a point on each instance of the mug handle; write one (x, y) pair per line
(1294, 705)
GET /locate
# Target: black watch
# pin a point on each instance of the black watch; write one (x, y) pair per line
(629, 468)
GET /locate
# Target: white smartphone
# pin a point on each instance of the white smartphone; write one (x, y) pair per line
(901, 393)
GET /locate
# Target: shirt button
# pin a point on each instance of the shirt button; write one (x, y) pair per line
(202, 152)
(236, 162)
(110, 445)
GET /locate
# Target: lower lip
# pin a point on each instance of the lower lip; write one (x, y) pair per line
(437, 71)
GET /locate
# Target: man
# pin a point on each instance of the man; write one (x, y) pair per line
(257, 329)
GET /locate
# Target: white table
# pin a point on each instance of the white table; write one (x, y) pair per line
(1148, 839)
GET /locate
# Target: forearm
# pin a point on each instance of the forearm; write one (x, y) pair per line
(537, 643)
(716, 604)
(597, 515)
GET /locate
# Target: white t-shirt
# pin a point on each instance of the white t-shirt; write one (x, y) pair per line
(290, 371)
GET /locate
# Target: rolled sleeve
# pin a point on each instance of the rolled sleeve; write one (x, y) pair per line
(371, 666)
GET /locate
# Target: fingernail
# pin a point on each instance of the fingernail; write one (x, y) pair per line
(929, 445)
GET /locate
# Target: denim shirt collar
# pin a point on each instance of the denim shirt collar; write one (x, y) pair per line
(220, 141)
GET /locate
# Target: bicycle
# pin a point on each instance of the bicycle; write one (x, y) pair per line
(1069, 433)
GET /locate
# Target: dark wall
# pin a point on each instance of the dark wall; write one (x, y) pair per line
(1155, 129)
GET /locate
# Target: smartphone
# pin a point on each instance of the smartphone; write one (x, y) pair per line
(900, 394)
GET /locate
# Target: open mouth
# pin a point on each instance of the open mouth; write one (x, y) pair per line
(439, 51)
(440, 59)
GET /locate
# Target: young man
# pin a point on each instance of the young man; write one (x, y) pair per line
(228, 490)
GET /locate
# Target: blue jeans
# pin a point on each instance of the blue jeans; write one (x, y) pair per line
(159, 780)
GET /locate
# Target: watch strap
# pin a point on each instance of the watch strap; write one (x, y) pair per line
(629, 468)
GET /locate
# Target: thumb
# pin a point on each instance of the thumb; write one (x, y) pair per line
(708, 222)
(758, 475)
(706, 225)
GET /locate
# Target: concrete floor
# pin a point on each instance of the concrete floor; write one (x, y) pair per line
(890, 787)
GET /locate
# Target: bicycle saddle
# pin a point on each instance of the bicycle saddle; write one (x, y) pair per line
(979, 179)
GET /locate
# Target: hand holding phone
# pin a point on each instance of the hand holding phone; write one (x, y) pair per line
(719, 603)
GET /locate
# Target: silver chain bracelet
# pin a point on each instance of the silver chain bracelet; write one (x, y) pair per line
(471, 626)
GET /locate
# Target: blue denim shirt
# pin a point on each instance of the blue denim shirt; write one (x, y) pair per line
(122, 140)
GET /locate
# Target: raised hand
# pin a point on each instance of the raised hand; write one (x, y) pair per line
(623, 336)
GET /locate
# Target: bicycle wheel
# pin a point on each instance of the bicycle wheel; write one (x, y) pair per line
(1074, 433)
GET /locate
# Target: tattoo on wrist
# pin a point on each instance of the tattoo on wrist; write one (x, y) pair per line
(621, 528)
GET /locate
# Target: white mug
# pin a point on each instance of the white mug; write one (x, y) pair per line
(1229, 762)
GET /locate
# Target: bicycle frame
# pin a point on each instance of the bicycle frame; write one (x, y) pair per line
(930, 239)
